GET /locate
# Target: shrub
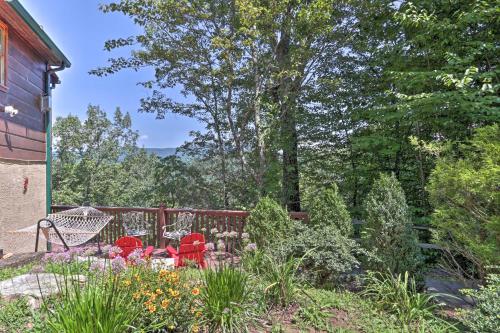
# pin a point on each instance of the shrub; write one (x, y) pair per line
(100, 306)
(464, 192)
(388, 230)
(267, 222)
(485, 317)
(326, 253)
(327, 208)
(226, 300)
(397, 294)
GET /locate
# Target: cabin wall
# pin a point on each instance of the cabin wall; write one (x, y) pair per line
(22, 146)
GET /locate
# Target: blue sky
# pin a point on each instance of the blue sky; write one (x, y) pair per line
(80, 29)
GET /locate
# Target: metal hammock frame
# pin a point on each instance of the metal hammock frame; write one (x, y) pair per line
(71, 227)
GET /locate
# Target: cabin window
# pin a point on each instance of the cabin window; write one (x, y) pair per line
(3, 55)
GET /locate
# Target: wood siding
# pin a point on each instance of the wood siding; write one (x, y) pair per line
(22, 137)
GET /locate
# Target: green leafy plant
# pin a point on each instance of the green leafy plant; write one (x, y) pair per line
(326, 254)
(227, 304)
(100, 305)
(327, 208)
(281, 279)
(485, 316)
(397, 294)
(267, 222)
(463, 189)
(389, 230)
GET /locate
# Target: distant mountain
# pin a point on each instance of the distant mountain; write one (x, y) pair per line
(161, 152)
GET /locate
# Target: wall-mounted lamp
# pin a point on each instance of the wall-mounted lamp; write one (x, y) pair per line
(10, 110)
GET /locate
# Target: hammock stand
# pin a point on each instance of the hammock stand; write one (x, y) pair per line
(50, 224)
(71, 227)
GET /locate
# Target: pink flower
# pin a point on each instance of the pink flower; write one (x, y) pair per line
(114, 251)
(210, 246)
(251, 247)
(118, 264)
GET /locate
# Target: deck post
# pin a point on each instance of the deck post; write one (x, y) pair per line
(161, 224)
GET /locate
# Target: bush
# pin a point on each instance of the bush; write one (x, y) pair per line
(327, 254)
(485, 317)
(226, 300)
(388, 231)
(464, 192)
(327, 208)
(267, 222)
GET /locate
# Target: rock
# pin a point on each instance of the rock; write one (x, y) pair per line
(34, 286)
(20, 259)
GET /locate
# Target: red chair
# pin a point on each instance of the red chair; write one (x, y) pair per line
(128, 244)
(192, 248)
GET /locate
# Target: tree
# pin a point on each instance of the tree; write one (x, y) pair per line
(464, 192)
(388, 229)
(97, 161)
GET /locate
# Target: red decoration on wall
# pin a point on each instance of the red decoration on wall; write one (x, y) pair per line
(25, 185)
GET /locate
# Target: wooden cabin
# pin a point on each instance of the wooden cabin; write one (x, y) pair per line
(29, 62)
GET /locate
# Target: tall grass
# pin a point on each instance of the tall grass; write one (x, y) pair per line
(227, 304)
(397, 294)
(98, 305)
(281, 278)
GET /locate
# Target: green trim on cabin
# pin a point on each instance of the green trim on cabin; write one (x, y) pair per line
(30, 21)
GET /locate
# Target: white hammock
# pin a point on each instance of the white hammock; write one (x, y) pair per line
(76, 226)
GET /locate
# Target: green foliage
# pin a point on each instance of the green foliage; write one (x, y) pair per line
(389, 230)
(485, 316)
(227, 300)
(100, 306)
(464, 192)
(281, 279)
(18, 316)
(97, 161)
(326, 254)
(397, 294)
(10, 272)
(267, 223)
(327, 208)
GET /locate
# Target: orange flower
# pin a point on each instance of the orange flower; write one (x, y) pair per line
(136, 295)
(163, 272)
(165, 303)
(195, 291)
(159, 291)
(152, 308)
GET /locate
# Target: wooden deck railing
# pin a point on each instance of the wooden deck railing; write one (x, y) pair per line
(204, 221)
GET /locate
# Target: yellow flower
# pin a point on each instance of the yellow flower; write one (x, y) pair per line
(198, 314)
(171, 327)
(137, 277)
(136, 295)
(163, 272)
(127, 283)
(195, 329)
(152, 297)
(159, 291)
(165, 303)
(195, 291)
(152, 308)
(174, 293)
